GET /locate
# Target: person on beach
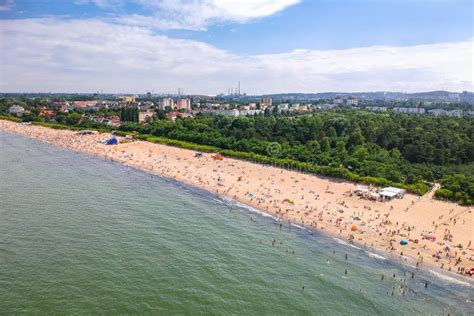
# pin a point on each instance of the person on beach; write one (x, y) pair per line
(443, 225)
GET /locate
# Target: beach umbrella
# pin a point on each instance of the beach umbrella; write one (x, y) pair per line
(354, 228)
(403, 242)
(218, 157)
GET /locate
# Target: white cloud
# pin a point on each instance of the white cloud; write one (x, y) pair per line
(103, 4)
(243, 10)
(198, 14)
(7, 5)
(91, 55)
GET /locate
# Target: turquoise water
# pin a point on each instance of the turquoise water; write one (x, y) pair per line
(82, 235)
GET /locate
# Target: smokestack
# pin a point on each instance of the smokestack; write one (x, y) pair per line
(239, 87)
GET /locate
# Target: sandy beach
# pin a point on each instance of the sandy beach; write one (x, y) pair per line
(313, 202)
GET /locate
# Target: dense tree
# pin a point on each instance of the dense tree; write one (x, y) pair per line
(400, 148)
(343, 143)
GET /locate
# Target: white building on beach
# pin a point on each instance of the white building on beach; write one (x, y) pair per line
(16, 110)
(390, 193)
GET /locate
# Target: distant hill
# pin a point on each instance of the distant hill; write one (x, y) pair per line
(382, 95)
(435, 96)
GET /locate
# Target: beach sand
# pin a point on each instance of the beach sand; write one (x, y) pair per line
(306, 200)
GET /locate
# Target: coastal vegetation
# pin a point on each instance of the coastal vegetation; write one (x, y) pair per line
(407, 151)
(457, 187)
(381, 149)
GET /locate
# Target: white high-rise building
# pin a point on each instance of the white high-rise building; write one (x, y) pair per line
(166, 102)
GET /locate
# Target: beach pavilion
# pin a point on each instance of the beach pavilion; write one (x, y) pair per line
(390, 193)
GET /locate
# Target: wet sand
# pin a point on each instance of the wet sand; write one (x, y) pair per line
(299, 199)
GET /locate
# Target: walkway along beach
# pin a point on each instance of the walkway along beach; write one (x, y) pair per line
(433, 229)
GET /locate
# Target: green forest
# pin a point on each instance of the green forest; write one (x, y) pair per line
(408, 151)
(397, 149)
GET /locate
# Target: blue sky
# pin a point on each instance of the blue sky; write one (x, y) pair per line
(295, 34)
(330, 24)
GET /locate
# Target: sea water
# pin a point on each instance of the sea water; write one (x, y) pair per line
(83, 235)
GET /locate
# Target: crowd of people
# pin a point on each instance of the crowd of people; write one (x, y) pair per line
(293, 197)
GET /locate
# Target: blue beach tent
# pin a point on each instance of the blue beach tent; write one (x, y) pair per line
(112, 141)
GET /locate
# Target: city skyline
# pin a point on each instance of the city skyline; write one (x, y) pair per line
(206, 47)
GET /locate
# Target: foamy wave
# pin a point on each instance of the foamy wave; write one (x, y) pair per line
(253, 210)
(218, 201)
(376, 256)
(298, 226)
(228, 200)
(342, 242)
(250, 209)
(450, 279)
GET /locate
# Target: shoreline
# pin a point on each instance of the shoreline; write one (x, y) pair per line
(334, 194)
(376, 253)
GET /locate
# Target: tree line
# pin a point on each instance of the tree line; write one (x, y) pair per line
(410, 150)
(379, 148)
